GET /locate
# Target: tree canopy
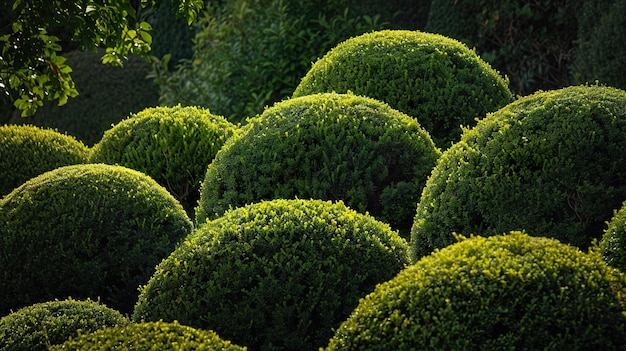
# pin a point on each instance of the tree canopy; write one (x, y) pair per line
(32, 67)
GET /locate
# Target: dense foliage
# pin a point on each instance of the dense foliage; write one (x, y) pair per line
(107, 95)
(324, 146)
(504, 292)
(27, 151)
(551, 163)
(36, 327)
(613, 242)
(86, 231)
(528, 40)
(173, 145)
(275, 275)
(437, 80)
(148, 337)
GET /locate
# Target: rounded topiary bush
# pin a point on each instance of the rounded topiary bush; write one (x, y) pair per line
(551, 163)
(504, 292)
(329, 147)
(85, 231)
(173, 145)
(147, 337)
(41, 325)
(27, 151)
(613, 242)
(435, 79)
(278, 274)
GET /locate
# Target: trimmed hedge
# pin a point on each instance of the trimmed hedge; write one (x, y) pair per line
(551, 163)
(504, 292)
(27, 151)
(173, 145)
(44, 324)
(613, 242)
(329, 147)
(278, 274)
(86, 231)
(148, 337)
(435, 79)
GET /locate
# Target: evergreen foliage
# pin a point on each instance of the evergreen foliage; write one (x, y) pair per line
(613, 242)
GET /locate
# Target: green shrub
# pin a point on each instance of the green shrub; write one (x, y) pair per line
(106, 95)
(276, 275)
(27, 151)
(148, 337)
(551, 163)
(437, 80)
(329, 147)
(505, 292)
(613, 242)
(600, 54)
(41, 325)
(529, 41)
(249, 54)
(173, 145)
(85, 231)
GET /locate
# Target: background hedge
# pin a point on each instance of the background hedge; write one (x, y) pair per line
(173, 145)
(329, 147)
(279, 274)
(147, 337)
(504, 292)
(41, 325)
(86, 231)
(435, 79)
(551, 163)
(27, 151)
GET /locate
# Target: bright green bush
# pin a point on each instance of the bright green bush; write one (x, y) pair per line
(551, 163)
(530, 41)
(41, 325)
(600, 54)
(86, 231)
(249, 54)
(149, 337)
(505, 292)
(276, 275)
(106, 95)
(173, 145)
(329, 147)
(613, 242)
(27, 151)
(437, 80)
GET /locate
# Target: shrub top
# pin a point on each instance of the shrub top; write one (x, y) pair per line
(173, 145)
(551, 163)
(147, 337)
(40, 325)
(435, 79)
(86, 231)
(276, 274)
(504, 292)
(27, 151)
(324, 146)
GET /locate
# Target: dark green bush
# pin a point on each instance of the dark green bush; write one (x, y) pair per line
(41, 325)
(149, 337)
(437, 80)
(173, 145)
(27, 151)
(601, 54)
(505, 292)
(551, 163)
(528, 40)
(107, 94)
(329, 147)
(86, 231)
(613, 242)
(276, 275)
(249, 54)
